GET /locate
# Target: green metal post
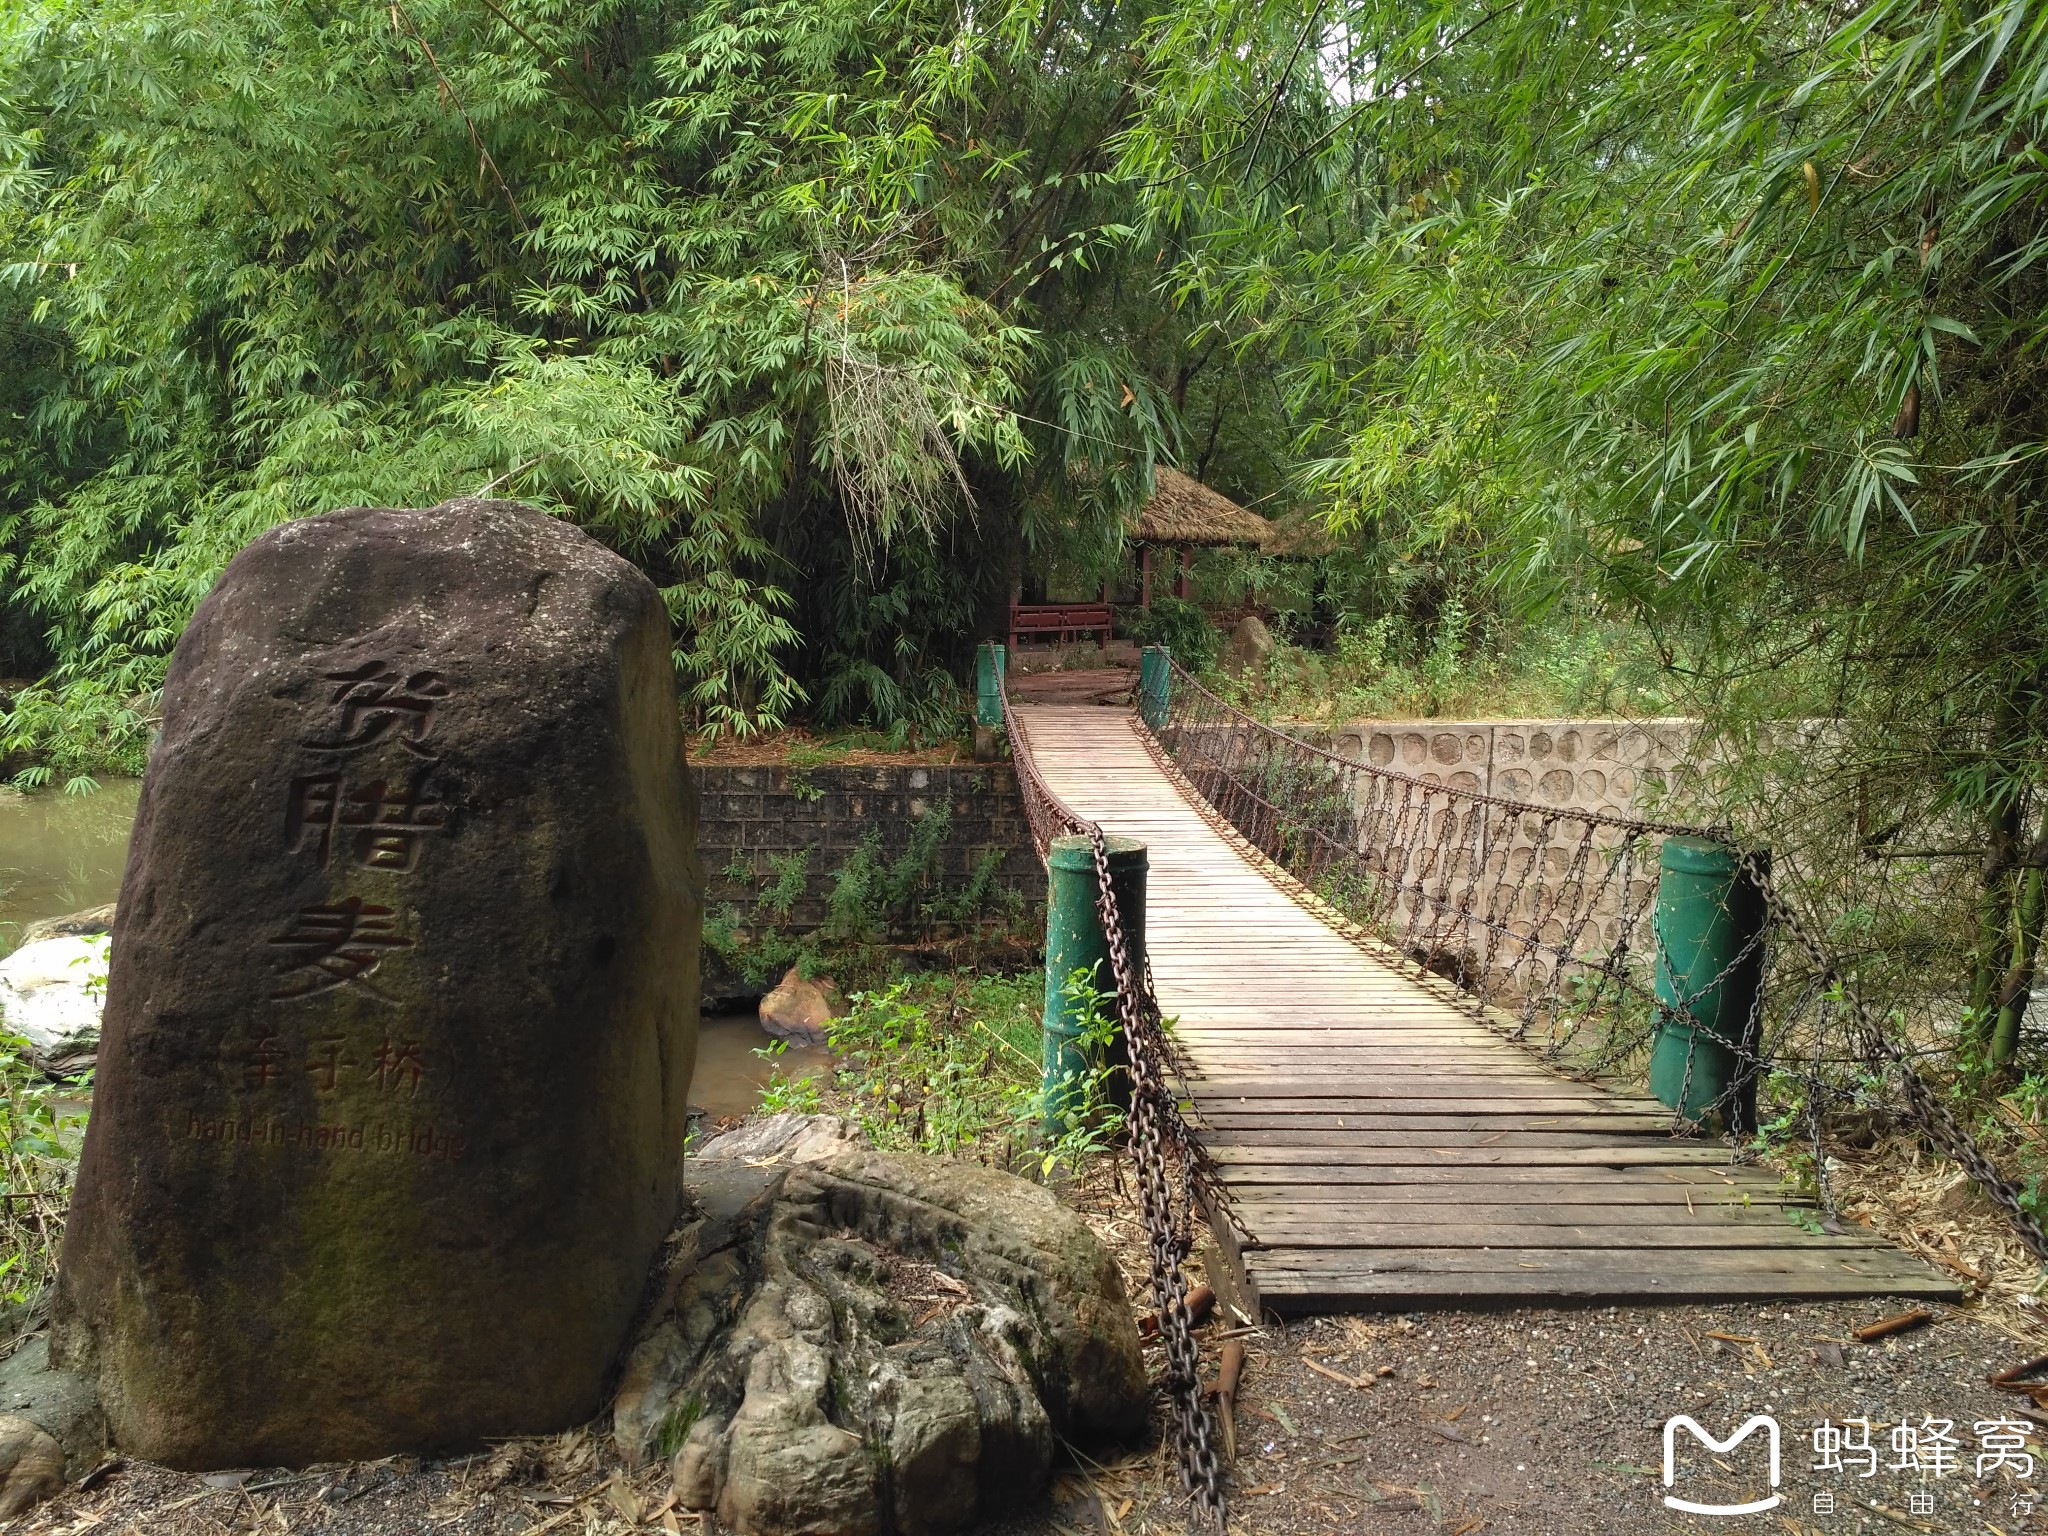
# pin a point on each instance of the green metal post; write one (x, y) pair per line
(1074, 941)
(1710, 909)
(988, 702)
(1152, 682)
(988, 686)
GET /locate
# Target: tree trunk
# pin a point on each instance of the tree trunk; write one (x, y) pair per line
(2003, 889)
(1994, 926)
(2019, 981)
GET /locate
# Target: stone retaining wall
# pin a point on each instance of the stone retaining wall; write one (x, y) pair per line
(751, 817)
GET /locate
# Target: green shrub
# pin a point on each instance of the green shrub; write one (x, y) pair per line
(39, 1142)
(950, 1064)
(1181, 627)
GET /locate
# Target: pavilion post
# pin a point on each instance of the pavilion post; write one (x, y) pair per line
(1145, 576)
(1182, 584)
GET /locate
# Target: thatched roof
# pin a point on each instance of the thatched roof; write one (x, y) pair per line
(1185, 511)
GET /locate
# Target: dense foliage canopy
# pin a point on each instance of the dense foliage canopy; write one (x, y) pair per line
(1726, 318)
(1730, 314)
(823, 311)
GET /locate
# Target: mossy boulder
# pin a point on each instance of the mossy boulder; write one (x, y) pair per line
(847, 1343)
(402, 1007)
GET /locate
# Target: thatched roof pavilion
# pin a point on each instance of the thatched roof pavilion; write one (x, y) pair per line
(1184, 513)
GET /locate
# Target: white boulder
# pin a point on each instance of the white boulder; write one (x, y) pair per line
(51, 991)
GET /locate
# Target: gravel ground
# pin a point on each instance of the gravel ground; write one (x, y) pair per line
(1525, 1423)
(1546, 1423)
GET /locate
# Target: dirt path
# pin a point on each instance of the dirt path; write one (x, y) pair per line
(1552, 1422)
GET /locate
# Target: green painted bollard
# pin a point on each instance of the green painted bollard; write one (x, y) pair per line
(1074, 941)
(1152, 676)
(1709, 909)
(988, 686)
(988, 702)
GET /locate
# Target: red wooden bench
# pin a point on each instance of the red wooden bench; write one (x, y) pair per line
(1060, 622)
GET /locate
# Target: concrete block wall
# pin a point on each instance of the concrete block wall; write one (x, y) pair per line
(1532, 877)
(1620, 767)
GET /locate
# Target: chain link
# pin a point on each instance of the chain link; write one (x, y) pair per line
(1174, 1174)
(1156, 1129)
(1923, 1105)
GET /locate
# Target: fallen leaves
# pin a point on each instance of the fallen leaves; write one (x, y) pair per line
(1754, 1347)
(1200, 1301)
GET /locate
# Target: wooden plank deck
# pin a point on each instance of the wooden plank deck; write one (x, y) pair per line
(1387, 1150)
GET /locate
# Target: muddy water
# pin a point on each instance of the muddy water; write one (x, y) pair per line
(729, 1075)
(61, 853)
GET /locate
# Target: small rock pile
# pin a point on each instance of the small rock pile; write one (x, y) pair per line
(844, 1341)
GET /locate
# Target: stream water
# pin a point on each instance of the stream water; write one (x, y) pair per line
(63, 853)
(729, 1076)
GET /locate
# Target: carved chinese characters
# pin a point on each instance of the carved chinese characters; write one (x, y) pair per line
(377, 704)
(334, 946)
(401, 1013)
(378, 825)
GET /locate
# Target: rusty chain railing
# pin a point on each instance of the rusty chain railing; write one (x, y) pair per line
(1543, 913)
(1542, 919)
(1174, 1175)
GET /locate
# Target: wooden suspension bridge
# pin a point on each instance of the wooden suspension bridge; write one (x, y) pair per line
(1384, 1147)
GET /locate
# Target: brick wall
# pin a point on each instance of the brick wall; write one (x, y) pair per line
(750, 816)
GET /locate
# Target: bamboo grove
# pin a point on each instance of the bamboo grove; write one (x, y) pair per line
(1720, 319)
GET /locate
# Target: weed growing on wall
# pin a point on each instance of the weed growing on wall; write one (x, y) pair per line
(874, 900)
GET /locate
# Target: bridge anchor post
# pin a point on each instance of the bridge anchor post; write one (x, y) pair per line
(1075, 941)
(989, 661)
(1710, 923)
(1153, 676)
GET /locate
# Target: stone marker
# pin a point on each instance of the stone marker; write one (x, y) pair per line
(402, 1013)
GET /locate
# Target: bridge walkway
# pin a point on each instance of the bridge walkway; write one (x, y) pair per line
(1386, 1149)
